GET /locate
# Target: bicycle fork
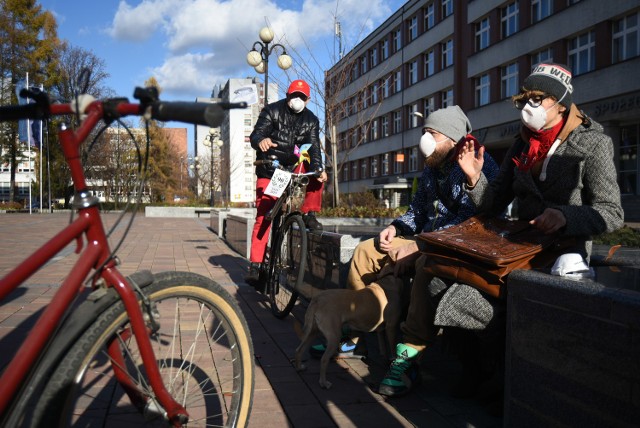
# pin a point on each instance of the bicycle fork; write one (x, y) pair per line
(176, 414)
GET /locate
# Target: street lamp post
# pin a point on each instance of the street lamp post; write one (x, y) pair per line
(195, 167)
(258, 57)
(212, 140)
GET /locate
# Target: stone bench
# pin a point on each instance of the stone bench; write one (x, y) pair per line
(573, 347)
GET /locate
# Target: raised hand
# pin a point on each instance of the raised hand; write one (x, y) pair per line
(471, 162)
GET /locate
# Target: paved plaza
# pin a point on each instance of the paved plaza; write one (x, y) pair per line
(283, 397)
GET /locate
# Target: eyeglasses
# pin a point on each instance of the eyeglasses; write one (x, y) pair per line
(533, 101)
(303, 97)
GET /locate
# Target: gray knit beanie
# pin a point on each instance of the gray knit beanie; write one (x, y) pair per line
(552, 79)
(450, 121)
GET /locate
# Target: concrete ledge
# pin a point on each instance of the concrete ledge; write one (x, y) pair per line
(219, 215)
(176, 212)
(237, 232)
(573, 349)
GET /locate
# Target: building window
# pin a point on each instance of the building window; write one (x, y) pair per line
(447, 98)
(363, 168)
(509, 19)
(385, 164)
(413, 117)
(413, 28)
(429, 106)
(628, 170)
(447, 53)
(384, 48)
(397, 164)
(374, 129)
(366, 94)
(626, 38)
(363, 63)
(429, 18)
(375, 89)
(345, 174)
(398, 82)
(374, 166)
(429, 63)
(413, 159)
(374, 57)
(386, 86)
(509, 80)
(397, 122)
(413, 72)
(354, 170)
(384, 126)
(447, 8)
(545, 55)
(582, 53)
(482, 34)
(482, 90)
(540, 9)
(397, 40)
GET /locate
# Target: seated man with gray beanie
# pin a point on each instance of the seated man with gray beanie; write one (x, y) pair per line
(439, 202)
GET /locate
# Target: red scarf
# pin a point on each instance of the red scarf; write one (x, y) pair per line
(539, 144)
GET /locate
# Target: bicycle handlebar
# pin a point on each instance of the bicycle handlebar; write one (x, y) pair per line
(207, 114)
(276, 163)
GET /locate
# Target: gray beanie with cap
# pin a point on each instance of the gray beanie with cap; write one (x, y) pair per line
(552, 79)
(450, 121)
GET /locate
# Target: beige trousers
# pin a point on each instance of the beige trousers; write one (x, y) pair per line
(368, 261)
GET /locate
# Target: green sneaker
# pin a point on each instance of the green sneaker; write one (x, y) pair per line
(402, 374)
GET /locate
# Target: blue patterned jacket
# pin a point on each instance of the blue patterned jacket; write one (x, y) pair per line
(440, 200)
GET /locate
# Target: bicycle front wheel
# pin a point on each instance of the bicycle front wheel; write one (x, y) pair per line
(203, 349)
(287, 269)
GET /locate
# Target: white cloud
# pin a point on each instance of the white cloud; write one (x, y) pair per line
(206, 41)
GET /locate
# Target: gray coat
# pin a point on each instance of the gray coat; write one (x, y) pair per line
(581, 181)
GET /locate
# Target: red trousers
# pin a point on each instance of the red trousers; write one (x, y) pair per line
(262, 227)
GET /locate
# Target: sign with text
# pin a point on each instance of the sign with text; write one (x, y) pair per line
(278, 183)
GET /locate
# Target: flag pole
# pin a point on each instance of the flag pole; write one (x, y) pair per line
(29, 148)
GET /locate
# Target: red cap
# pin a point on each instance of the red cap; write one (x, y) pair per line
(299, 86)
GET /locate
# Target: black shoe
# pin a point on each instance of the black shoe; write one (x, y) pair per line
(311, 222)
(253, 277)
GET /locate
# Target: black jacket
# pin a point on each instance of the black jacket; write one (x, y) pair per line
(286, 129)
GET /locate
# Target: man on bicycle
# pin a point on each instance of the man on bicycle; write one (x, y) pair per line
(282, 128)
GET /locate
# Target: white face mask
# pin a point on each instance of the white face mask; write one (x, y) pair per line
(428, 144)
(534, 118)
(296, 104)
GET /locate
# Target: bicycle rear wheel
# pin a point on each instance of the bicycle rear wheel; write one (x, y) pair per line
(287, 268)
(203, 349)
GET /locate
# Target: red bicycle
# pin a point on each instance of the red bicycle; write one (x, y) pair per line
(149, 349)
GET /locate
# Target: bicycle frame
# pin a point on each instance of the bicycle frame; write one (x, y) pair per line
(93, 254)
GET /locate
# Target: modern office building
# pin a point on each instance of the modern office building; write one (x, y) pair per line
(237, 173)
(476, 53)
(26, 174)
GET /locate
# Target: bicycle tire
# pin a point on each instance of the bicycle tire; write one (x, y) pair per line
(287, 266)
(214, 379)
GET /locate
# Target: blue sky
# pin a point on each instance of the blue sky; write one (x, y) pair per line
(191, 45)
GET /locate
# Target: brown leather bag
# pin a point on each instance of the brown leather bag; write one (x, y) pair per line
(481, 251)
